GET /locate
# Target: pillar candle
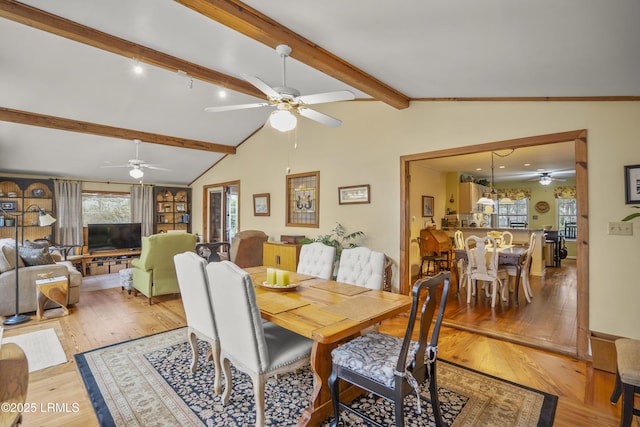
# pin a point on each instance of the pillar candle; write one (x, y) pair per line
(282, 278)
(271, 276)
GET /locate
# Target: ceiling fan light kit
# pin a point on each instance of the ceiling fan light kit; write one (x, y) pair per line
(136, 173)
(545, 179)
(283, 120)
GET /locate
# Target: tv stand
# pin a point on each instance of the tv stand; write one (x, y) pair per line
(107, 256)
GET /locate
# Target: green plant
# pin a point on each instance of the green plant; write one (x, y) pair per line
(633, 215)
(339, 239)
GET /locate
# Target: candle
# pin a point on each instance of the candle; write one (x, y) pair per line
(282, 278)
(271, 276)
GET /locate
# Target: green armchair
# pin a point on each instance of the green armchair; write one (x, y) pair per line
(154, 272)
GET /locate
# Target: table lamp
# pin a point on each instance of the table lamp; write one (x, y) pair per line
(44, 219)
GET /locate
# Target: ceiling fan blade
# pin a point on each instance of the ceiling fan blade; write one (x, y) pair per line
(115, 166)
(319, 117)
(155, 167)
(262, 86)
(236, 107)
(320, 98)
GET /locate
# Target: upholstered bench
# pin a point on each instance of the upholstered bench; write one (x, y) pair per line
(627, 378)
(126, 279)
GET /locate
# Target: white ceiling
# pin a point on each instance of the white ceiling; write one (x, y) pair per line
(421, 48)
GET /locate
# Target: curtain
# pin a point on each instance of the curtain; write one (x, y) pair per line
(514, 193)
(68, 196)
(142, 207)
(565, 192)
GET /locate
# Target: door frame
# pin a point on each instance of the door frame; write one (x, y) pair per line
(579, 137)
(205, 205)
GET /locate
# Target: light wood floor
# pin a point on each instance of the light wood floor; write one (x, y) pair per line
(548, 322)
(111, 316)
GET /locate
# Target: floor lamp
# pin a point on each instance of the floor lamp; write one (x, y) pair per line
(44, 219)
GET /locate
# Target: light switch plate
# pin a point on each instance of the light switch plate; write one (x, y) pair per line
(620, 228)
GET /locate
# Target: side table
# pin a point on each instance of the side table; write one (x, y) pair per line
(55, 289)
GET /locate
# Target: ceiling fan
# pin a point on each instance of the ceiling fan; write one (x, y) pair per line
(545, 178)
(137, 165)
(288, 102)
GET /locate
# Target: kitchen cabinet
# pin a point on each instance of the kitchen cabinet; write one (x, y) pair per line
(281, 255)
(21, 198)
(469, 193)
(172, 209)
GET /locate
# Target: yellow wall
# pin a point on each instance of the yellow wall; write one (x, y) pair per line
(366, 150)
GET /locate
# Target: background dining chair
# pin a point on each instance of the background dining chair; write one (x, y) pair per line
(211, 251)
(482, 256)
(246, 248)
(506, 239)
(201, 323)
(458, 238)
(390, 366)
(361, 266)
(440, 261)
(627, 378)
(255, 348)
(512, 271)
(317, 259)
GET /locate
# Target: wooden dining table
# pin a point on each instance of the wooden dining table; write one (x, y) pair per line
(509, 256)
(329, 313)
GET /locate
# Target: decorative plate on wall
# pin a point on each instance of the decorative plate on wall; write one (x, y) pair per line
(542, 207)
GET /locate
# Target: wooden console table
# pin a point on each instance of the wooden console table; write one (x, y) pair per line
(87, 258)
(55, 289)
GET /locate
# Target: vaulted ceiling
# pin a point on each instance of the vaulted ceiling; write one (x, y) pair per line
(70, 103)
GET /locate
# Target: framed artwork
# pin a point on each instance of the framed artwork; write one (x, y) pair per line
(303, 199)
(180, 207)
(354, 194)
(427, 206)
(632, 184)
(261, 204)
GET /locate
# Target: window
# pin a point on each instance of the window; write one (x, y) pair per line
(567, 217)
(513, 213)
(105, 208)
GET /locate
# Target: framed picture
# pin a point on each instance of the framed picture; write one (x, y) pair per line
(427, 206)
(8, 206)
(261, 204)
(180, 207)
(354, 194)
(632, 184)
(303, 199)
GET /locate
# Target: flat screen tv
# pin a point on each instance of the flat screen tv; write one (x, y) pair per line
(108, 237)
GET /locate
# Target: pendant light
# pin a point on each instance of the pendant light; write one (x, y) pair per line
(493, 196)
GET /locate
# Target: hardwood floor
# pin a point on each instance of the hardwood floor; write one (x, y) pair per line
(111, 316)
(548, 322)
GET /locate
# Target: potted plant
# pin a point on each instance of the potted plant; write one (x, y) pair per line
(339, 239)
(633, 215)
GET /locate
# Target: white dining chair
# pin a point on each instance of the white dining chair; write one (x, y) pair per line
(362, 267)
(524, 272)
(506, 239)
(317, 259)
(458, 238)
(482, 256)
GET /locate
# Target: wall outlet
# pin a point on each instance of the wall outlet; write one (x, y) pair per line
(620, 228)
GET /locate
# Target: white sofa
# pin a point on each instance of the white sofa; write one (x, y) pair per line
(27, 281)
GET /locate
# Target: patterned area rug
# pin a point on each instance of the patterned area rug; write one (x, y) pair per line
(147, 382)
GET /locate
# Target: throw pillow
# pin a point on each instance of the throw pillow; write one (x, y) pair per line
(39, 245)
(8, 258)
(35, 256)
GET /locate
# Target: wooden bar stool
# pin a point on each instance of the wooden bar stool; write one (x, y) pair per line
(627, 378)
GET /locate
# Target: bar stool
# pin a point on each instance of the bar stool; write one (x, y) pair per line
(627, 378)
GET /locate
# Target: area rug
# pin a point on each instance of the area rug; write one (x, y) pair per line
(100, 282)
(42, 348)
(148, 381)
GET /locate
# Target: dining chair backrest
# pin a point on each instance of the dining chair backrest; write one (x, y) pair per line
(317, 259)
(458, 238)
(361, 266)
(527, 260)
(506, 238)
(482, 256)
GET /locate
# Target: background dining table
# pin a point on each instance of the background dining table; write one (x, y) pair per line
(329, 313)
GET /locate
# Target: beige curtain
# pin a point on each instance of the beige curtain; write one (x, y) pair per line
(565, 192)
(142, 207)
(68, 196)
(514, 193)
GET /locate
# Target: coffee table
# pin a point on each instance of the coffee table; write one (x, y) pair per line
(55, 289)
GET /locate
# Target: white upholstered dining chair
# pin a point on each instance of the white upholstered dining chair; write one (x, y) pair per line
(255, 348)
(482, 256)
(201, 323)
(361, 266)
(317, 259)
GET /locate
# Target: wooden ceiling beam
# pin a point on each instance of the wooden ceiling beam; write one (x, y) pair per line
(57, 25)
(245, 20)
(60, 123)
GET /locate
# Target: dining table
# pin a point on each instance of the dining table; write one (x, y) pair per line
(508, 256)
(330, 313)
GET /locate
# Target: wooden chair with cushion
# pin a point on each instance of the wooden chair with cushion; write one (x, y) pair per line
(627, 378)
(255, 348)
(154, 273)
(246, 248)
(393, 367)
(14, 377)
(201, 323)
(317, 259)
(361, 266)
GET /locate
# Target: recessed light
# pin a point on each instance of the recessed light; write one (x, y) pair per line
(527, 164)
(222, 94)
(478, 169)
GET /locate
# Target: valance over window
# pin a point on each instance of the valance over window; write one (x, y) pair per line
(565, 192)
(514, 193)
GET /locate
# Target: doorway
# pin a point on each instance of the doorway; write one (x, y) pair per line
(579, 139)
(222, 211)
